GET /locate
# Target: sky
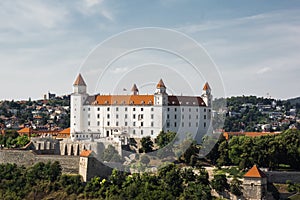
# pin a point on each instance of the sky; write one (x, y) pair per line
(254, 46)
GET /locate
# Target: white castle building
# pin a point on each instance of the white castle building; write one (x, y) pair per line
(135, 116)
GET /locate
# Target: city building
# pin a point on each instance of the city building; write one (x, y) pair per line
(137, 115)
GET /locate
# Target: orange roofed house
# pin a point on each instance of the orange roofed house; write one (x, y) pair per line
(137, 115)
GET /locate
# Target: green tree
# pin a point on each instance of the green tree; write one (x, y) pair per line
(147, 144)
(236, 187)
(219, 183)
(165, 138)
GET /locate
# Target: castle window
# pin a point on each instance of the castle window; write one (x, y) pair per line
(182, 124)
(125, 116)
(125, 123)
(117, 109)
(196, 116)
(204, 109)
(89, 123)
(168, 116)
(89, 115)
(152, 116)
(141, 116)
(190, 116)
(182, 109)
(204, 116)
(133, 116)
(117, 116)
(89, 109)
(133, 109)
(133, 123)
(175, 124)
(189, 109)
(168, 109)
(168, 124)
(117, 123)
(152, 109)
(190, 124)
(98, 123)
(142, 109)
(152, 124)
(142, 123)
(196, 109)
(108, 116)
(108, 123)
(182, 116)
(98, 116)
(151, 132)
(175, 116)
(196, 124)
(107, 108)
(209, 110)
(142, 132)
(133, 132)
(126, 108)
(98, 109)
(175, 109)
(204, 124)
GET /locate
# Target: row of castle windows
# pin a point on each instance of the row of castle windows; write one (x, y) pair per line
(152, 109)
(182, 124)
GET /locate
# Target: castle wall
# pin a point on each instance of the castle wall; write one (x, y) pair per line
(69, 164)
(282, 177)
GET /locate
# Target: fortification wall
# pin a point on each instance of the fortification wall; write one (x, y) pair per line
(69, 164)
(282, 177)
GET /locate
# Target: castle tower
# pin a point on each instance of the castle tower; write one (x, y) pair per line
(206, 94)
(134, 90)
(161, 96)
(78, 98)
(255, 184)
(79, 86)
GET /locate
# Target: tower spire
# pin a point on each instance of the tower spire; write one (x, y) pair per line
(134, 90)
(79, 81)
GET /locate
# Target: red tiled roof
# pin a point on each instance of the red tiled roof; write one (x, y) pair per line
(24, 130)
(255, 172)
(86, 153)
(65, 131)
(124, 100)
(249, 134)
(79, 81)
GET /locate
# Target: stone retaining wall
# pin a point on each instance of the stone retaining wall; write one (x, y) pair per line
(69, 164)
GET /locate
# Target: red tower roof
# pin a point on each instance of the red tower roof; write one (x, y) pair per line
(134, 88)
(79, 80)
(206, 86)
(160, 84)
(255, 172)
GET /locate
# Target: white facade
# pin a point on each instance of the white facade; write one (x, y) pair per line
(136, 116)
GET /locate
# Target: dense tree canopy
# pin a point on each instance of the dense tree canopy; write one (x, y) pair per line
(266, 151)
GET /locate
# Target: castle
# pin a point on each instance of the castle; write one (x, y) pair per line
(120, 117)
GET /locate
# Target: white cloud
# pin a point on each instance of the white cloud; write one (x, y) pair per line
(30, 15)
(91, 3)
(264, 70)
(119, 70)
(94, 7)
